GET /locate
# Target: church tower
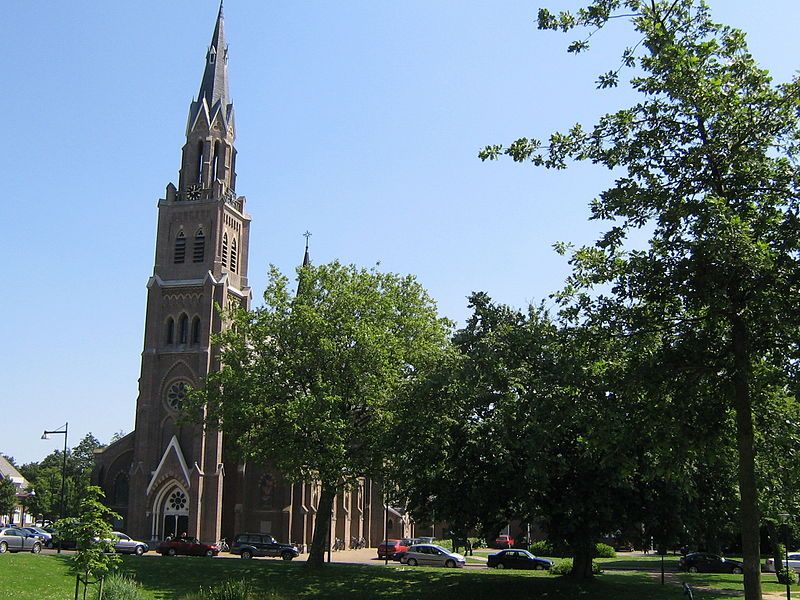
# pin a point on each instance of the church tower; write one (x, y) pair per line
(176, 470)
(167, 477)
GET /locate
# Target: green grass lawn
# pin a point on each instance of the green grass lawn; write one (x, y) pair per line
(45, 577)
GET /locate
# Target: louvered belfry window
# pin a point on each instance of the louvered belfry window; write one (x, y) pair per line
(199, 251)
(224, 249)
(233, 255)
(180, 249)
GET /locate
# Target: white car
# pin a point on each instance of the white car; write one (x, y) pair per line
(794, 562)
(433, 556)
(125, 545)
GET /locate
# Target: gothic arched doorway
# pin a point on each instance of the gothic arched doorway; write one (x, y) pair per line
(171, 512)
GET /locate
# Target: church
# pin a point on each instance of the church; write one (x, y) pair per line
(167, 477)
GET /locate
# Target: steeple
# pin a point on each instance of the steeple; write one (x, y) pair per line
(306, 263)
(208, 166)
(214, 86)
(306, 256)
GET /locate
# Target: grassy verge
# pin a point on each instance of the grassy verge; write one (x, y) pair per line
(45, 577)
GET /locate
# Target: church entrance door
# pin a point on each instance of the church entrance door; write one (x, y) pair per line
(171, 515)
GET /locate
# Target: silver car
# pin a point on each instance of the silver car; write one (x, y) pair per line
(13, 539)
(46, 536)
(125, 545)
(433, 556)
(794, 562)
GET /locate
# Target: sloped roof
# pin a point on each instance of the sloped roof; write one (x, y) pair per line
(7, 471)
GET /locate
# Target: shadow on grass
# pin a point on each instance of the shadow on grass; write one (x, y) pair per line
(170, 578)
(634, 564)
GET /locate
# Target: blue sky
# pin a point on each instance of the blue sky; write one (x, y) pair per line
(359, 120)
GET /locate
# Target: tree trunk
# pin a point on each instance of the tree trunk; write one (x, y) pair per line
(748, 510)
(321, 538)
(582, 562)
(775, 547)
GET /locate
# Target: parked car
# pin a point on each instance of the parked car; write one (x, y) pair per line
(125, 545)
(503, 541)
(432, 555)
(704, 562)
(187, 546)
(794, 562)
(517, 559)
(248, 545)
(46, 536)
(393, 548)
(13, 539)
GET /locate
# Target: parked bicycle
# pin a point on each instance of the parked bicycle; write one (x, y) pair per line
(358, 543)
(338, 544)
(223, 545)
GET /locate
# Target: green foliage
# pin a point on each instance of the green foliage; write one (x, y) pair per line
(563, 566)
(310, 380)
(707, 163)
(604, 551)
(8, 496)
(92, 533)
(119, 586)
(229, 590)
(542, 548)
(45, 478)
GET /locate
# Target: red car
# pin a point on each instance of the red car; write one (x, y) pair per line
(392, 547)
(187, 546)
(504, 541)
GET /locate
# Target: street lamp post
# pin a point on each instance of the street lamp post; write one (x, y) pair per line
(61, 431)
(784, 517)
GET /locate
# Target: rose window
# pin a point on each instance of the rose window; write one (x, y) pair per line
(176, 395)
(177, 501)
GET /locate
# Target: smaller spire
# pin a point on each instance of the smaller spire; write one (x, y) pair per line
(306, 263)
(307, 256)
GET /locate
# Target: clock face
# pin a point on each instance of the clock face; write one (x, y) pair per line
(193, 191)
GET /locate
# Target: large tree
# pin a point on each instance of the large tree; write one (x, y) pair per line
(707, 162)
(45, 479)
(309, 381)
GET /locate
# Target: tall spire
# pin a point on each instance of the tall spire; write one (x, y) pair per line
(214, 87)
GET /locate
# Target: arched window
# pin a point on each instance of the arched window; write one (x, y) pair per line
(180, 249)
(170, 331)
(121, 489)
(225, 249)
(266, 492)
(199, 251)
(183, 330)
(196, 330)
(200, 148)
(233, 255)
(217, 167)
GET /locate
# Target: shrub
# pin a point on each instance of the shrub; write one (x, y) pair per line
(564, 566)
(230, 590)
(793, 577)
(604, 551)
(119, 586)
(542, 548)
